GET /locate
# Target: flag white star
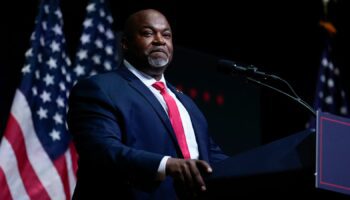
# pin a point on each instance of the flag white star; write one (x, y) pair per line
(109, 34)
(58, 118)
(342, 93)
(85, 38)
(68, 78)
(336, 71)
(42, 41)
(57, 29)
(96, 59)
(91, 7)
(79, 70)
(46, 9)
(324, 62)
(343, 110)
(87, 23)
(320, 94)
(101, 28)
(52, 63)
(93, 72)
(32, 36)
(60, 102)
(44, 25)
(37, 74)
(40, 58)
(107, 65)
(42, 113)
(58, 14)
(45, 96)
(329, 100)
(82, 54)
(63, 70)
(48, 79)
(68, 62)
(109, 50)
(29, 52)
(55, 46)
(323, 78)
(110, 19)
(330, 65)
(330, 83)
(55, 135)
(26, 69)
(102, 13)
(62, 86)
(34, 91)
(99, 43)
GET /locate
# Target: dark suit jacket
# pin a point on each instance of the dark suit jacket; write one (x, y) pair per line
(121, 133)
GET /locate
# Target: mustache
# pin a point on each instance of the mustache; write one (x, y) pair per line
(159, 49)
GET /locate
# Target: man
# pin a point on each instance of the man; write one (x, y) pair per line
(136, 135)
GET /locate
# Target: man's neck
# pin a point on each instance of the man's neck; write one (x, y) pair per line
(154, 72)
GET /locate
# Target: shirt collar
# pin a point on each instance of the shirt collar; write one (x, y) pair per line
(144, 78)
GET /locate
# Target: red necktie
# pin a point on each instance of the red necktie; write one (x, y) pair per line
(175, 119)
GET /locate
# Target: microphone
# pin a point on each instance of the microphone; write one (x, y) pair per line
(230, 67)
(251, 72)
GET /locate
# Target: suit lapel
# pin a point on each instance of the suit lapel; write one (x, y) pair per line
(151, 99)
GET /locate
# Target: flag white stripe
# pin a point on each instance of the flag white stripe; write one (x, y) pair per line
(8, 163)
(39, 160)
(71, 174)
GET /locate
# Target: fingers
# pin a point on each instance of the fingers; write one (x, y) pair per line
(188, 172)
(204, 165)
(196, 175)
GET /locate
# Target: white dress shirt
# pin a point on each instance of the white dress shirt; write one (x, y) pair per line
(185, 117)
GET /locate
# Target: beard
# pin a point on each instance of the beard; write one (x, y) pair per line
(158, 62)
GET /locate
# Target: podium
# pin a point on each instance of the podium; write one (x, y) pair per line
(283, 168)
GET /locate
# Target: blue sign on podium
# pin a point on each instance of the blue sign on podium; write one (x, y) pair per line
(333, 153)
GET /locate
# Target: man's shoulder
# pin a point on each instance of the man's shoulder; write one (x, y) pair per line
(102, 81)
(103, 78)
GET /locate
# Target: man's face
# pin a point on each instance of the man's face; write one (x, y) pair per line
(150, 40)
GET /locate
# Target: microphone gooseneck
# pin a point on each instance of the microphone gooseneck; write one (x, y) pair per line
(251, 73)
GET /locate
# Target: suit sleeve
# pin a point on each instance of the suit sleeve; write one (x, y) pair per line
(216, 154)
(97, 132)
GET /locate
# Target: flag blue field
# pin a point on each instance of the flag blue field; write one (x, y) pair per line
(98, 51)
(330, 94)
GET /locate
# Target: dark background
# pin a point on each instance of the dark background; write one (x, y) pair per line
(280, 37)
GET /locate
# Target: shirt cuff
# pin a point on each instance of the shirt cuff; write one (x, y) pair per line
(161, 169)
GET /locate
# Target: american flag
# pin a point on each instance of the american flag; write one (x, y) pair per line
(37, 158)
(330, 94)
(98, 50)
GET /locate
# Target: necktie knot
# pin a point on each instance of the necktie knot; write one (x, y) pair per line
(159, 86)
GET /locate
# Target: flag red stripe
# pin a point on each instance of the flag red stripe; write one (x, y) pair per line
(5, 191)
(74, 156)
(31, 182)
(61, 166)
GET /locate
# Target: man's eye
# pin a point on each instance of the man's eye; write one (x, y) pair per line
(167, 35)
(147, 33)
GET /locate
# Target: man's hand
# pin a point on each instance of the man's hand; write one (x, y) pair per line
(188, 173)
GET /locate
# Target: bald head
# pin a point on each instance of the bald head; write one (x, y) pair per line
(143, 15)
(147, 42)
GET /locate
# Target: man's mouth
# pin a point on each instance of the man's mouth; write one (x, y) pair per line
(158, 51)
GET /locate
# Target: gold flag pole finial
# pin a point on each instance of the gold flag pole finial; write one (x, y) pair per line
(326, 24)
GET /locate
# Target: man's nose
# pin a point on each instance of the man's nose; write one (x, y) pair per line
(159, 39)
